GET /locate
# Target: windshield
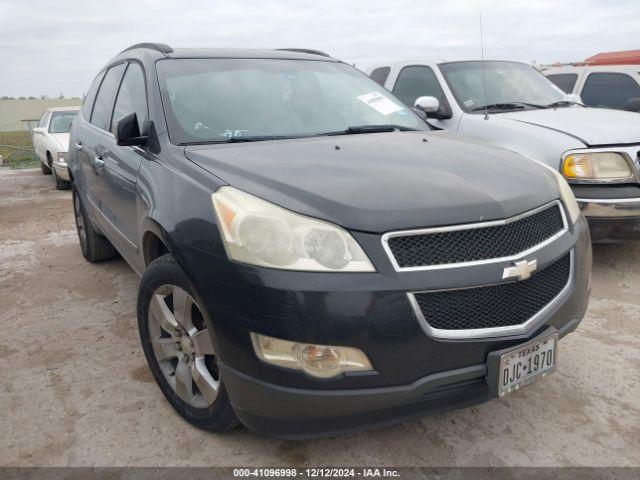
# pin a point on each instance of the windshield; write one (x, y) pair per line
(61, 121)
(218, 100)
(505, 83)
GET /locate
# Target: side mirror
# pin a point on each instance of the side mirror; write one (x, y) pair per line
(128, 132)
(432, 108)
(632, 105)
(427, 104)
(572, 97)
(39, 130)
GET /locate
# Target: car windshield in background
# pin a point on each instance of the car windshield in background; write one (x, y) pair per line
(508, 86)
(61, 121)
(226, 100)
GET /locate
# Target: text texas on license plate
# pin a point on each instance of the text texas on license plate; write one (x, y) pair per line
(526, 364)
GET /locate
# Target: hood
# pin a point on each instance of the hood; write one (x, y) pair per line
(63, 141)
(383, 181)
(592, 126)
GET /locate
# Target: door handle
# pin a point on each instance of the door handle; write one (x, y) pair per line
(98, 163)
(78, 145)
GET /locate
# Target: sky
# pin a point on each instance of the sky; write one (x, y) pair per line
(53, 48)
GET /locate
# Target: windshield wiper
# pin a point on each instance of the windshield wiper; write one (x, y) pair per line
(358, 129)
(258, 138)
(255, 138)
(507, 106)
(378, 129)
(348, 131)
(564, 103)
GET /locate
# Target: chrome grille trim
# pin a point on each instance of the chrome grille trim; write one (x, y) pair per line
(520, 329)
(472, 226)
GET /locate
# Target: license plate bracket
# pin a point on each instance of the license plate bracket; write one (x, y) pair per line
(497, 361)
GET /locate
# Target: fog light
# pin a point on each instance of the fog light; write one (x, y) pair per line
(319, 360)
(322, 361)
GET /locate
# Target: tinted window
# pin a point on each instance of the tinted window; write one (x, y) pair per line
(132, 97)
(609, 90)
(87, 105)
(104, 101)
(564, 81)
(416, 81)
(380, 75)
(61, 121)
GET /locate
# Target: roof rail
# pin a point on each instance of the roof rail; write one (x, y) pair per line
(304, 50)
(160, 47)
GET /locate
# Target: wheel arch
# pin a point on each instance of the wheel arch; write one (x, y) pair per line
(155, 241)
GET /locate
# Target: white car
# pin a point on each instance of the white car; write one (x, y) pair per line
(605, 86)
(512, 105)
(51, 143)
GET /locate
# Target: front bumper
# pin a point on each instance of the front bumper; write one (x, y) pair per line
(613, 212)
(415, 372)
(619, 208)
(287, 412)
(612, 219)
(62, 170)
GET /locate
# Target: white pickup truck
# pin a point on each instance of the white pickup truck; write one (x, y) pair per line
(512, 105)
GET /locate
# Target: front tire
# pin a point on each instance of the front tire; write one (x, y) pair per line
(94, 246)
(178, 347)
(44, 168)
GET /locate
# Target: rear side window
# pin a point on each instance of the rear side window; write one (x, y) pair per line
(132, 97)
(101, 114)
(564, 81)
(89, 98)
(380, 75)
(609, 90)
(417, 81)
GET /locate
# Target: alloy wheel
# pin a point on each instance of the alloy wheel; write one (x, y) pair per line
(182, 346)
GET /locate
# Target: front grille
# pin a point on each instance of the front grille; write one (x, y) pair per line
(480, 243)
(502, 305)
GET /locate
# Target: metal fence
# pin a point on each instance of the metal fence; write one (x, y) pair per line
(23, 114)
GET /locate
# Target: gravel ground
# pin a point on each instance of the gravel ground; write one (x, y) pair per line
(75, 389)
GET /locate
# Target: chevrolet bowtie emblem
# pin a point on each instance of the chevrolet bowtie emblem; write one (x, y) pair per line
(520, 270)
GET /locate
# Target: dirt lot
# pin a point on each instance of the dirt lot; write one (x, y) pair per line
(75, 390)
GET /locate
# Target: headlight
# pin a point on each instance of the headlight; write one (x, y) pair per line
(596, 166)
(260, 233)
(322, 361)
(568, 198)
(62, 156)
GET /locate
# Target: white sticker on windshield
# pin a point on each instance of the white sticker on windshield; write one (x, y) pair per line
(380, 103)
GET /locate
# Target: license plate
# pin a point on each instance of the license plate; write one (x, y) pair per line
(526, 364)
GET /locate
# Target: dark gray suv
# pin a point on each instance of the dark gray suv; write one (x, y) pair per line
(314, 258)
